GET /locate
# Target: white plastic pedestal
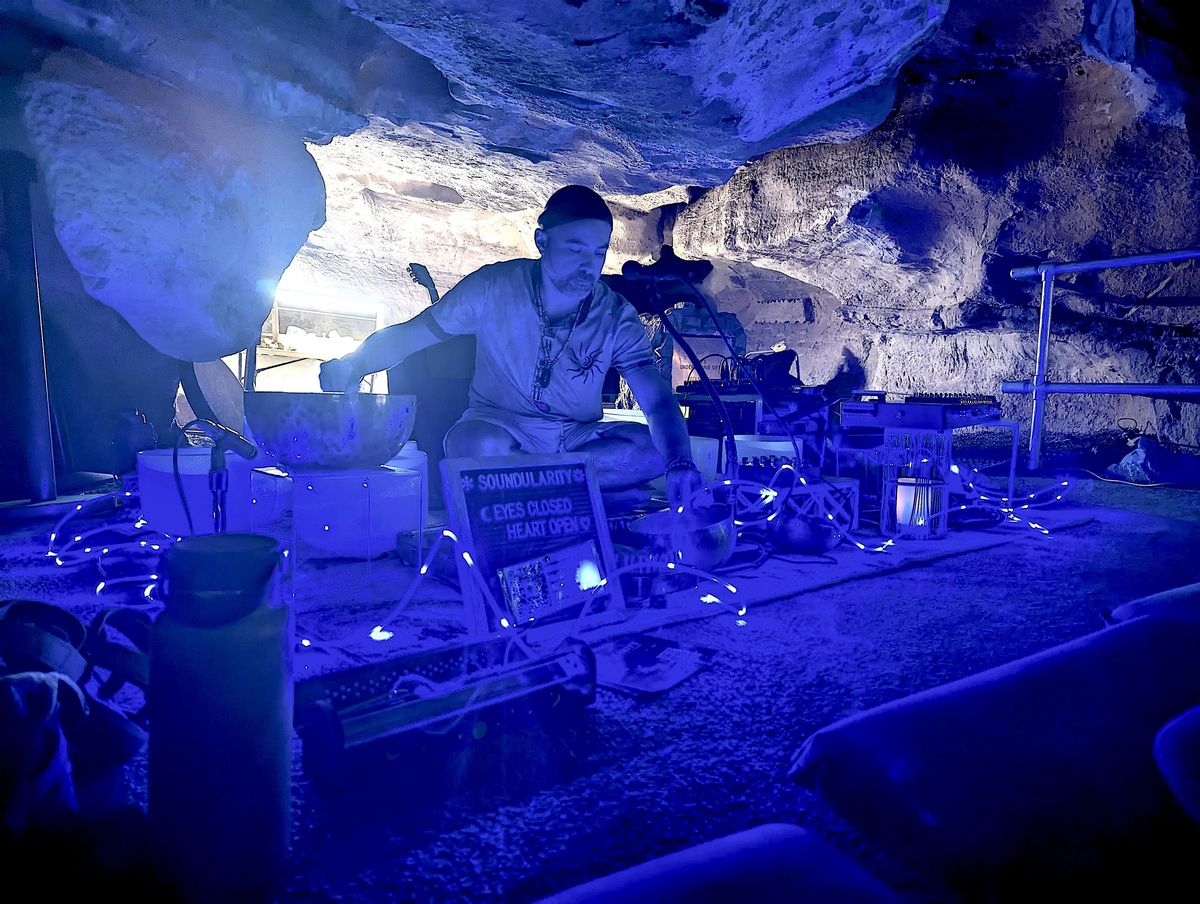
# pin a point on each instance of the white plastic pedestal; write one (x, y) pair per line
(160, 502)
(355, 514)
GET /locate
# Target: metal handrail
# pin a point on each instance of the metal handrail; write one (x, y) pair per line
(1038, 387)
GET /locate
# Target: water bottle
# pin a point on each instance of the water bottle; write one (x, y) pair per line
(221, 718)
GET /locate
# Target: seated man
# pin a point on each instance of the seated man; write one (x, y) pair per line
(547, 331)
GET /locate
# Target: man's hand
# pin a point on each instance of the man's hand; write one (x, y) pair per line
(682, 484)
(340, 375)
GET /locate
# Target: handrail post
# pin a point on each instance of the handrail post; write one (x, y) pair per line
(1039, 387)
(1040, 370)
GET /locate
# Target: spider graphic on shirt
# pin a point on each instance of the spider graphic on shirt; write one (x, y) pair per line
(584, 365)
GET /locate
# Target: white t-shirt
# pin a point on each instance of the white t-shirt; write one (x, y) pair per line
(495, 303)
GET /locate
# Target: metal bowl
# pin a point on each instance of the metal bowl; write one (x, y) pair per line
(327, 431)
(706, 536)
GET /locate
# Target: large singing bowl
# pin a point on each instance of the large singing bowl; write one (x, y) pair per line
(328, 431)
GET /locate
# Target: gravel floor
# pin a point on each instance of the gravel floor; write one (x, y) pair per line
(525, 809)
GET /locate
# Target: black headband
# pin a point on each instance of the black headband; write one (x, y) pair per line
(571, 203)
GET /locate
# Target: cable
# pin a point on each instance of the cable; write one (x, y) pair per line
(187, 512)
(712, 313)
(1129, 483)
(263, 370)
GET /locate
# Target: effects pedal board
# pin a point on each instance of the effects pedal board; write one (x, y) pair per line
(929, 412)
(409, 712)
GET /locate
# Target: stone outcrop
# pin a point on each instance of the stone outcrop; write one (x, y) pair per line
(171, 132)
(1012, 142)
(179, 215)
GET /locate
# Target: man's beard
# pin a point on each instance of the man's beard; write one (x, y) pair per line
(576, 286)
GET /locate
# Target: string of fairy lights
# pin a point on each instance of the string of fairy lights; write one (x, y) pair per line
(113, 547)
(100, 545)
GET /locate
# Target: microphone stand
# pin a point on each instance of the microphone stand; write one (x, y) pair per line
(218, 475)
(218, 484)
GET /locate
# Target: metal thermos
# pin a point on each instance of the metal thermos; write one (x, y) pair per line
(221, 718)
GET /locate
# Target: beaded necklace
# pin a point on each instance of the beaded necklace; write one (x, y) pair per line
(546, 361)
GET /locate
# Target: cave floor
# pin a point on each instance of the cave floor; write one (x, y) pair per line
(516, 812)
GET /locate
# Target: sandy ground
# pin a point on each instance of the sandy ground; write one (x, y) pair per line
(519, 811)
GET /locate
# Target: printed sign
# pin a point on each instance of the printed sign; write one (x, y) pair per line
(534, 528)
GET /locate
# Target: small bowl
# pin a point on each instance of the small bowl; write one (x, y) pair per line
(328, 431)
(705, 535)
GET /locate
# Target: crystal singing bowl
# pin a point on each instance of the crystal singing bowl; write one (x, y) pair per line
(705, 535)
(326, 431)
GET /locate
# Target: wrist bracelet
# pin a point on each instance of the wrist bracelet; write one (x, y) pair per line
(681, 464)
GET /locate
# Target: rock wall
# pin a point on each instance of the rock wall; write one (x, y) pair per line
(1012, 142)
(179, 215)
(170, 131)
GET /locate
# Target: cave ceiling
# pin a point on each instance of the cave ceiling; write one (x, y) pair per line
(632, 95)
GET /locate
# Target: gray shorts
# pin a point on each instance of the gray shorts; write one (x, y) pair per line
(542, 436)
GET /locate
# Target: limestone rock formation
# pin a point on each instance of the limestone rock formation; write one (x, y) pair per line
(205, 107)
(179, 215)
(1012, 142)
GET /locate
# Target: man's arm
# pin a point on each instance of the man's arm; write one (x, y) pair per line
(668, 430)
(382, 349)
(654, 397)
(457, 313)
